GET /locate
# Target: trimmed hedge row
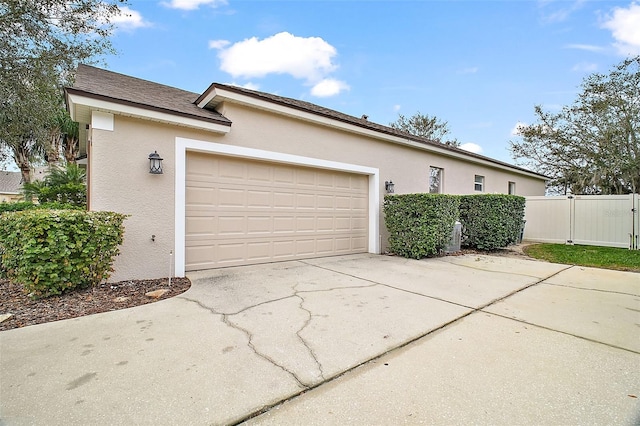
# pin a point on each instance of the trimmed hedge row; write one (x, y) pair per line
(51, 251)
(28, 205)
(491, 221)
(420, 225)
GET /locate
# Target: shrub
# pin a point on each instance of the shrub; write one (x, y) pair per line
(62, 185)
(420, 224)
(52, 251)
(28, 205)
(491, 221)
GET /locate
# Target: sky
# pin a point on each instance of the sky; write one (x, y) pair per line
(479, 65)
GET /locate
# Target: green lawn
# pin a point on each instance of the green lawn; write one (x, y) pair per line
(598, 257)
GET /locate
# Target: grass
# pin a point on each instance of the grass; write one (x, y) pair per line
(597, 257)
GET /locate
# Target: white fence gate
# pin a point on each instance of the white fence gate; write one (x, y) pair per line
(599, 220)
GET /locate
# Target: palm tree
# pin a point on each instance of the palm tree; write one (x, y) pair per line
(63, 185)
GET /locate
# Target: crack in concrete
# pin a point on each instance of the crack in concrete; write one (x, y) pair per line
(199, 303)
(225, 320)
(304, 342)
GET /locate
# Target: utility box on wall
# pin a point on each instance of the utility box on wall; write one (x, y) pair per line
(456, 239)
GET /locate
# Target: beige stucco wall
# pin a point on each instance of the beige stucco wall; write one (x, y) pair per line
(120, 180)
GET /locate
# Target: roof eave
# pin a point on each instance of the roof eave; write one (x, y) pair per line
(215, 94)
(76, 97)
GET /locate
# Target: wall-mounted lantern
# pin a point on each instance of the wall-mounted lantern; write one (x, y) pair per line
(388, 186)
(155, 163)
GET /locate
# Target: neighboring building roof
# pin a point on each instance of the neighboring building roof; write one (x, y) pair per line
(10, 182)
(123, 89)
(110, 86)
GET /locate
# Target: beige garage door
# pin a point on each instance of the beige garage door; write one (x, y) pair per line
(242, 212)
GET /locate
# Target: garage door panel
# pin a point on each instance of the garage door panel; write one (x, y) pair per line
(284, 200)
(305, 201)
(259, 225)
(241, 212)
(202, 225)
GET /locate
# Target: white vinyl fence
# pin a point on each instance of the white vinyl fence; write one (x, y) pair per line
(599, 220)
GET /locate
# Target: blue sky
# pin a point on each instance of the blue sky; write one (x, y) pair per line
(480, 65)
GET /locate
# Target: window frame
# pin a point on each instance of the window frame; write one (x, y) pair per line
(479, 183)
(440, 179)
(509, 188)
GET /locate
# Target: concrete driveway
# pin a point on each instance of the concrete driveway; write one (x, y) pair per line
(358, 339)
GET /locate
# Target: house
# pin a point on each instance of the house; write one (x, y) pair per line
(10, 186)
(250, 177)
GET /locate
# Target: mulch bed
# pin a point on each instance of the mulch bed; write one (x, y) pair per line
(102, 298)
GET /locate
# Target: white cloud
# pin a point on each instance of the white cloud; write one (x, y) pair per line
(517, 128)
(193, 4)
(562, 10)
(396, 108)
(304, 58)
(588, 47)
(624, 25)
(329, 87)
(129, 19)
(471, 147)
(250, 86)
(585, 67)
(218, 44)
(470, 70)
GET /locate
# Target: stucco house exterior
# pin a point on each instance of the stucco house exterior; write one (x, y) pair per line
(250, 177)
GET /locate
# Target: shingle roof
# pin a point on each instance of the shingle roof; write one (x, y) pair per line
(361, 122)
(120, 88)
(10, 182)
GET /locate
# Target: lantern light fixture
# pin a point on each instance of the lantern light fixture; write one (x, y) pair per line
(155, 163)
(389, 186)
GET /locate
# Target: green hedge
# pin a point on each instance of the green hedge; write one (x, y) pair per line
(51, 251)
(28, 205)
(420, 224)
(491, 221)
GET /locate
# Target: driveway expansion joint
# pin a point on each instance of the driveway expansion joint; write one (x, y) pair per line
(593, 289)
(562, 332)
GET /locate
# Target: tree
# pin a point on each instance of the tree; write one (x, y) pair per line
(592, 146)
(41, 44)
(62, 185)
(424, 126)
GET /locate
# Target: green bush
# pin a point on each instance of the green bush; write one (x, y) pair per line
(62, 185)
(28, 205)
(491, 221)
(52, 251)
(420, 224)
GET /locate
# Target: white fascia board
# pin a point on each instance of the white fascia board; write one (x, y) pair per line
(233, 97)
(132, 111)
(183, 145)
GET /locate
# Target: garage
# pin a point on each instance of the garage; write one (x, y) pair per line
(244, 211)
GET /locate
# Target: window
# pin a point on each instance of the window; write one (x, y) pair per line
(435, 180)
(512, 188)
(479, 183)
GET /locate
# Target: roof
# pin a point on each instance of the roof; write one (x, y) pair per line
(10, 182)
(111, 86)
(123, 89)
(360, 122)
